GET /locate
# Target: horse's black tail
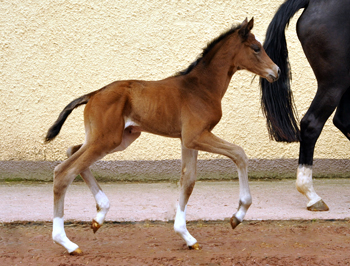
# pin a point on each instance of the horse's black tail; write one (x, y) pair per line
(276, 98)
(56, 127)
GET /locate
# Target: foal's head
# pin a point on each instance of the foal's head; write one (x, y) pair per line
(252, 56)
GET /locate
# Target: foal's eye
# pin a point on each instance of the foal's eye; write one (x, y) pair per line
(256, 48)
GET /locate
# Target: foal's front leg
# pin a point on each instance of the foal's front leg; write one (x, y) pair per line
(187, 181)
(207, 141)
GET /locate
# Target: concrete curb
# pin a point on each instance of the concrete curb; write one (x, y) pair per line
(169, 170)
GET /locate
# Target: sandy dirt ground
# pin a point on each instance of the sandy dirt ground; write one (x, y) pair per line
(146, 243)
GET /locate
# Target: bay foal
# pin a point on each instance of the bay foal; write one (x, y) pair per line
(185, 106)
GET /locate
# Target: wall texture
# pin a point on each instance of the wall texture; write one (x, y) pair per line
(51, 52)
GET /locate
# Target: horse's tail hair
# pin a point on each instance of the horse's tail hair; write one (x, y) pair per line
(56, 127)
(277, 98)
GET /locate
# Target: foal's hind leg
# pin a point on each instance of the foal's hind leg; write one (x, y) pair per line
(207, 141)
(187, 181)
(102, 202)
(63, 177)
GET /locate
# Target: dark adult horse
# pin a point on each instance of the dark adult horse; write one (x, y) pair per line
(324, 32)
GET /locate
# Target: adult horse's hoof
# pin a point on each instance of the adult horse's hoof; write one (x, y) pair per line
(195, 246)
(77, 252)
(319, 206)
(234, 222)
(95, 226)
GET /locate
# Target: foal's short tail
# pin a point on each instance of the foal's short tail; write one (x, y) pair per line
(56, 127)
(276, 98)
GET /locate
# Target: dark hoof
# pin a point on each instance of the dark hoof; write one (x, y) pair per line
(95, 226)
(319, 206)
(234, 222)
(76, 252)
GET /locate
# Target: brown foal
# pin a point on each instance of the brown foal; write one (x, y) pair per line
(185, 106)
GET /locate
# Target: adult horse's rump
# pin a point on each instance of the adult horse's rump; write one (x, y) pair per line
(324, 32)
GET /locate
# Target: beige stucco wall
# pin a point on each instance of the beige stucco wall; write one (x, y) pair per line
(54, 51)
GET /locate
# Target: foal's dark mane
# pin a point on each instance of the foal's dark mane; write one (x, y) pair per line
(209, 47)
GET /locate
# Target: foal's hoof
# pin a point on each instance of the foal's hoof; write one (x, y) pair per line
(319, 206)
(77, 252)
(234, 222)
(195, 246)
(95, 226)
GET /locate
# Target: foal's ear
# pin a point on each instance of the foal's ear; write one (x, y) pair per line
(246, 27)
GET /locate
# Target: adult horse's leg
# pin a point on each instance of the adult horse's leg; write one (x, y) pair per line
(207, 141)
(342, 116)
(322, 106)
(324, 45)
(187, 181)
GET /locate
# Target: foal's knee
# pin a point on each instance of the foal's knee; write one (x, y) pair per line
(57, 171)
(191, 144)
(60, 182)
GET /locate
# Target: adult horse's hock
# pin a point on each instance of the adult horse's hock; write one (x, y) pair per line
(185, 106)
(324, 32)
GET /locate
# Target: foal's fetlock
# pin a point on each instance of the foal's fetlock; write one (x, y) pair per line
(245, 202)
(237, 218)
(102, 207)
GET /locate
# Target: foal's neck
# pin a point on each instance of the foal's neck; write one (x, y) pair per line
(216, 68)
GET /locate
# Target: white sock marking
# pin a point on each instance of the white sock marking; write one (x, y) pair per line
(180, 227)
(103, 203)
(304, 184)
(59, 235)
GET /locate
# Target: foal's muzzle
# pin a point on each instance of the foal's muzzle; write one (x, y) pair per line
(273, 76)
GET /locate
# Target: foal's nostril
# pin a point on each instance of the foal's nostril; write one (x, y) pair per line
(279, 72)
(272, 78)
